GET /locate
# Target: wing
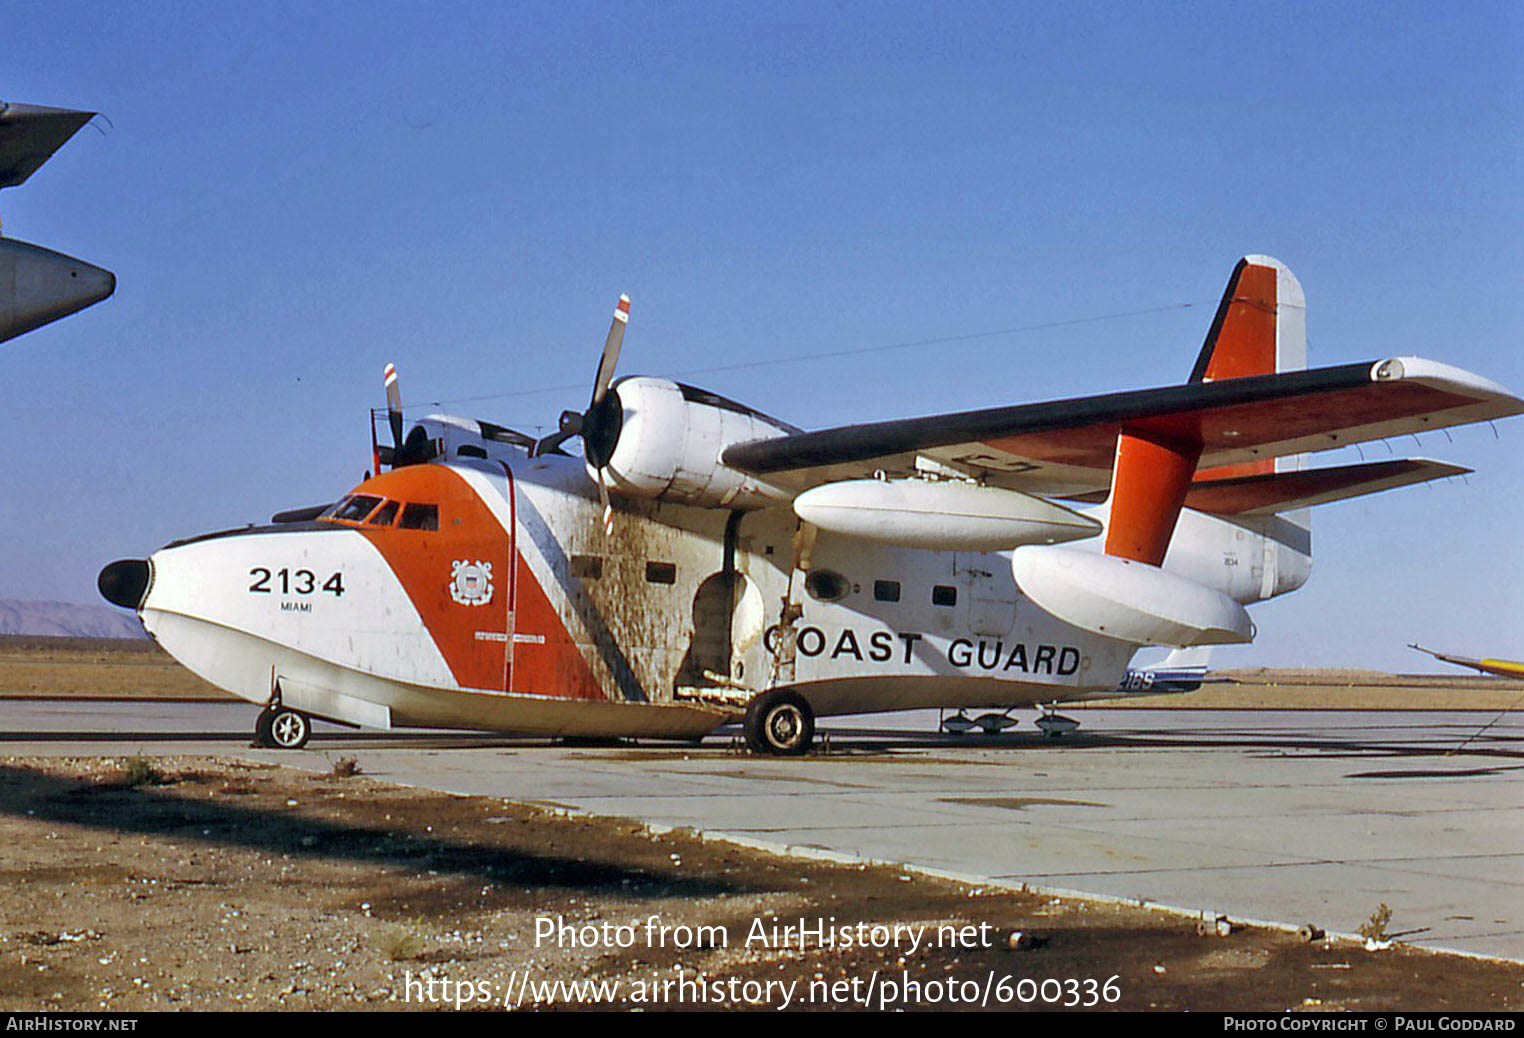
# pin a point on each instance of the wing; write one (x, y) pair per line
(1067, 447)
(30, 134)
(1500, 668)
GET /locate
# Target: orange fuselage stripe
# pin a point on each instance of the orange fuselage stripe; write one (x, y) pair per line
(473, 639)
(477, 641)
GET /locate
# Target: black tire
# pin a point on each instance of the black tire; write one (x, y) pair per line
(289, 729)
(779, 723)
(262, 736)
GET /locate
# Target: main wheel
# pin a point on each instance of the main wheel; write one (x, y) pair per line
(262, 736)
(289, 729)
(780, 723)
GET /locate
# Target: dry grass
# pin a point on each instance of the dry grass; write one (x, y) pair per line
(403, 942)
(96, 668)
(135, 772)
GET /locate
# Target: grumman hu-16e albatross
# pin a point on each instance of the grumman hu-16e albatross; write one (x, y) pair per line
(703, 562)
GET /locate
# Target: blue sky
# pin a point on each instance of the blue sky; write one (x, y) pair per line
(294, 195)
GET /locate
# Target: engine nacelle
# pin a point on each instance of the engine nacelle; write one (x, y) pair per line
(669, 439)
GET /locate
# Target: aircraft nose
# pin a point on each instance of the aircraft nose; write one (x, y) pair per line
(124, 582)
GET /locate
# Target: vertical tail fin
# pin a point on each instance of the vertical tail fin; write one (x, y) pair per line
(1260, 329)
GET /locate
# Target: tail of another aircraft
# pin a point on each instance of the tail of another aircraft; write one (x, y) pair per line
(1183, 670)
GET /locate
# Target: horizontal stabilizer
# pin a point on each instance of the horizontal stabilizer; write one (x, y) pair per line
(1271, 492)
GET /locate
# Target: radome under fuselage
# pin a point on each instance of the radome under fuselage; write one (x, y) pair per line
(519, 613)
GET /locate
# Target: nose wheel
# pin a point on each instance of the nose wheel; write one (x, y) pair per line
(282, 729)
(779, 723)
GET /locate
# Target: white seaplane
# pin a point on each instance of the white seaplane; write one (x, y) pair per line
(703, 563)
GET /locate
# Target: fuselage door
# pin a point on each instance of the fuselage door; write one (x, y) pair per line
(990, 591)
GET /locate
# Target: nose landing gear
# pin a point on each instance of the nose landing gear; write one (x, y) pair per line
(282, 728)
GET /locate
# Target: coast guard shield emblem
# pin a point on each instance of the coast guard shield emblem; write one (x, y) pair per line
(471, 582)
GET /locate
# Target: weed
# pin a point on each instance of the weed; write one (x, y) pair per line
(139, 771)
(1374, 929)
(403, 942)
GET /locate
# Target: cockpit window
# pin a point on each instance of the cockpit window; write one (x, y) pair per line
(419, 517)
(384, 515)
(355, 508)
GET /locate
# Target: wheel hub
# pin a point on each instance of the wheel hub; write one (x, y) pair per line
(784, 726)
(288, 729)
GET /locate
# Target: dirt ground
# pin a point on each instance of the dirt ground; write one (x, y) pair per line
(203, 883)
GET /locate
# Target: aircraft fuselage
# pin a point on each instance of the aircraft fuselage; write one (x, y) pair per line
(486, 594)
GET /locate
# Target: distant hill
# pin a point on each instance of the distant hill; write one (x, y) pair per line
(66, 620)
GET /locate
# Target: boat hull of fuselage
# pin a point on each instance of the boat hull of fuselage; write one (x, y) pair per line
(248, 666)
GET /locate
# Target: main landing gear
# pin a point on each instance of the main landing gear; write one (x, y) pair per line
(1054, 724)
(282, 728)
(779, 723)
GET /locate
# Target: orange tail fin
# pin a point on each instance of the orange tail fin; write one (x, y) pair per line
(1259, 329)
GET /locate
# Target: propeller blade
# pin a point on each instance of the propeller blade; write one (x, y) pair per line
(394, 407)
(608, 509)
(611, 351)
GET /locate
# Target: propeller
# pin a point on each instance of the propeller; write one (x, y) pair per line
(599, 425)
(389, 455)
(416, 448)
(393, 406)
